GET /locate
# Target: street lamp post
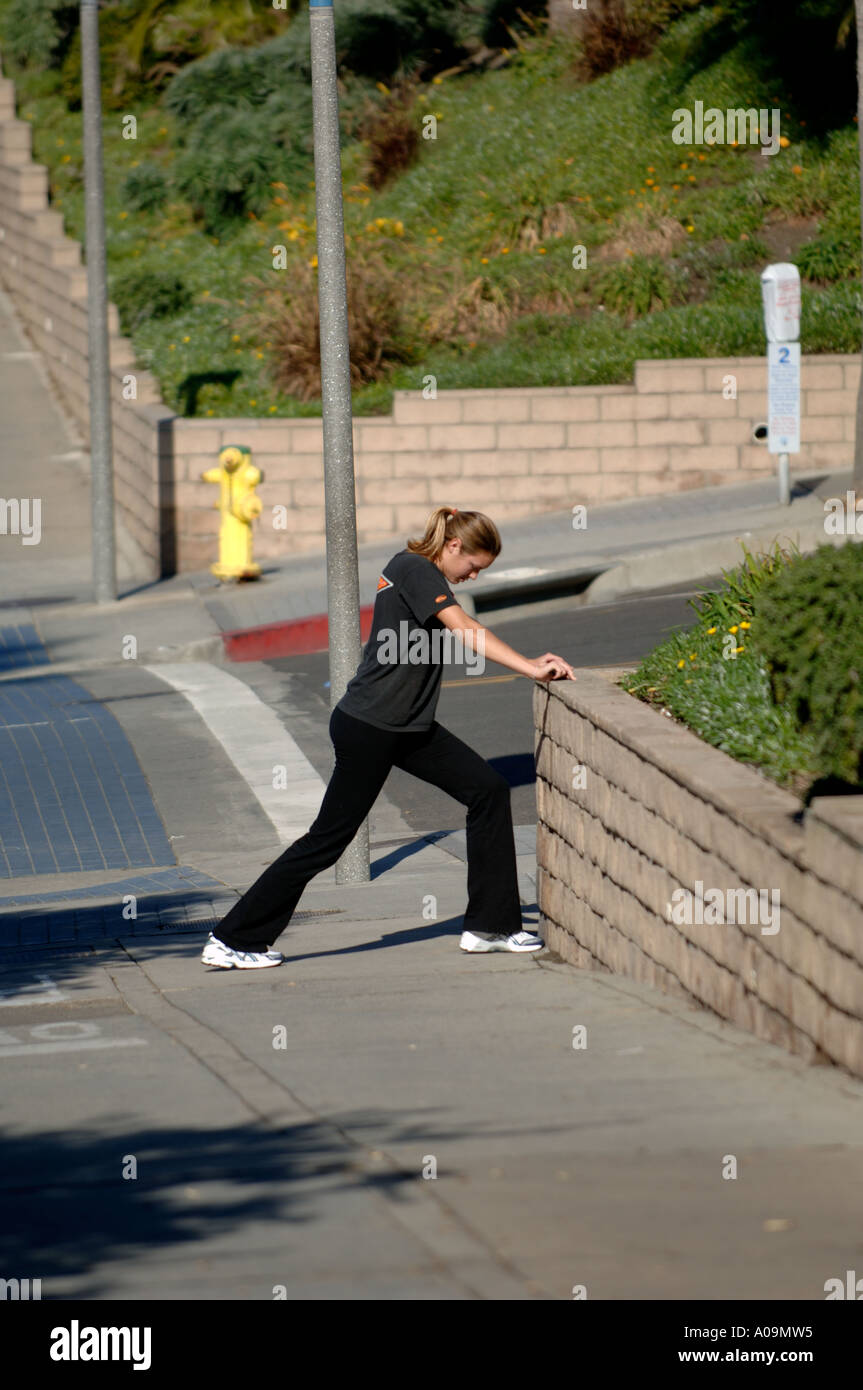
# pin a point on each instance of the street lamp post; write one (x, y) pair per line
(102, 481)
(343, 590)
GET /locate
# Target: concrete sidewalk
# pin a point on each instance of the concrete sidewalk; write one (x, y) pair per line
(386, 1118)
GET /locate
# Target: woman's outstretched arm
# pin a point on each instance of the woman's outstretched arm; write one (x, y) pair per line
(549, 666)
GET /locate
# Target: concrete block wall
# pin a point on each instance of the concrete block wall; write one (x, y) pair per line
(512, 453)
(660, 810)
(42, 271)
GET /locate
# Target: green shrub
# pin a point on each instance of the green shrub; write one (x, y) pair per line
(502, 17)
(235, 78)
(232, 158)
(37, 33)
(736, 601)
(379, 38)
(634, 287)
(143, 293)
(713, 678)
(810, 634)
(830, 257)
(146, 188)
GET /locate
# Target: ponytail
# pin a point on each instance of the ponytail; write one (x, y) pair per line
(475, 530)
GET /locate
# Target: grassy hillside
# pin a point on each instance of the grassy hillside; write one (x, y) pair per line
(462, 266)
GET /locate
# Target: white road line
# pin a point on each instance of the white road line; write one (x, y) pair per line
(254, 739)
(89, 1043)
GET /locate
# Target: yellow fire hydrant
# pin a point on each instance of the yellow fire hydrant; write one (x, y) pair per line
(238, 478)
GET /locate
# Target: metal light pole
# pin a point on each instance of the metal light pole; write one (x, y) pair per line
(343, 588)
(102, 480)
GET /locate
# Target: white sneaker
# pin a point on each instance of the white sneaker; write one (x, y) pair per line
(517, 941)
(217, 953)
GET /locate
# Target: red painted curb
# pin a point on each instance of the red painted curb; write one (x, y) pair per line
(290, 638)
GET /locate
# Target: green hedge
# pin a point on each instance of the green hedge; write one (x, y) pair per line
(810, 634)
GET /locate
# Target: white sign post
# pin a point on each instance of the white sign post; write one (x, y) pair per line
(780, 292)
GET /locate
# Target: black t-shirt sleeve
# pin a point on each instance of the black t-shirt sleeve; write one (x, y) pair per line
(425, 589)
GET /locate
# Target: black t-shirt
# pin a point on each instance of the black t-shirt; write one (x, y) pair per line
(397, 683)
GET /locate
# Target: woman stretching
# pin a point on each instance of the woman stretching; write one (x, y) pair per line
(386, 718)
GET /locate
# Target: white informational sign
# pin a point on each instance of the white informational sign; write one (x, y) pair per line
(780, 293)
(783, 398)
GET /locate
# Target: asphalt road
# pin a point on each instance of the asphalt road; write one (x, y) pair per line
(492, 711)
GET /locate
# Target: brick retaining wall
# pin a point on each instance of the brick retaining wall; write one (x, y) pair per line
(661, 810)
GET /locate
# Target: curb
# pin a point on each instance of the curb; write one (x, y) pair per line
(299, 636)
(701, 559)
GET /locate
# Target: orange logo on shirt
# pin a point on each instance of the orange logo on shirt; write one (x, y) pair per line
(440, 598)
(384, 583)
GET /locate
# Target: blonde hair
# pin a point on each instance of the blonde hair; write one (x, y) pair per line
(475, 530)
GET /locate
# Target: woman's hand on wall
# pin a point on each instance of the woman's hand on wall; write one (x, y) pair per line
(550, 667)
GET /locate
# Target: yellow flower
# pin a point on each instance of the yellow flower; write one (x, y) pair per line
(692, 656)
(702, 156)
(187, 340)
(691, 178)
(272, 410)
(650, 169)
(66, 158)
(123, 215)
(383, 88)
(690, 227)
(541, 251)
(172, 347)
(204, 294)
(745, 624)
(784, 141)
(711, 630)
(259, 354)
(253, 402)
(504, 250)
(163, 130)
(483, 260)
(680, 664)
(210, 412)
(235, 337)
(739, 649)
(796, 169)
(436, 81)
(313, 262)
(733, 629)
